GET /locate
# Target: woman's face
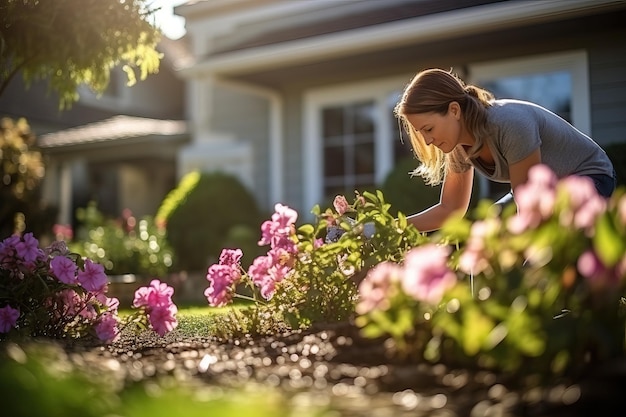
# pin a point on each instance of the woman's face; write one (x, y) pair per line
(442, 131)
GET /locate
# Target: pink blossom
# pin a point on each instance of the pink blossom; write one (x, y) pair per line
(376, 289)
(268, 270)
(535, 199)
(163, 319)
(341, 204)
(221, 281)
(8, 318)
(231, 257)
(64, 269)
(597, 275)
(106, 328)
(71, 301)
(426, 273)
(28, 249)
(161, 294)
(112, 304)
(473, 259)
(141, 297)
(93, 277)
(584, 203)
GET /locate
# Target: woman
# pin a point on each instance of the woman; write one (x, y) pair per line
(455, 128)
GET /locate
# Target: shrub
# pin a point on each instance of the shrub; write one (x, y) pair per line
(200, 213)
(124, 245)
(408, 194)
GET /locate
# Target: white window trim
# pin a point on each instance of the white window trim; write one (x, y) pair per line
(575, 62)
(376, 90)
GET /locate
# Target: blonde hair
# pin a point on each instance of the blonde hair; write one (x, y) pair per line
(433, 90)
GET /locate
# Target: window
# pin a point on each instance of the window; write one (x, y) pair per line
(558, 82)
(349, 138)
(349, 148)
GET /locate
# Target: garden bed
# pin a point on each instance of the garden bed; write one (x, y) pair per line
(332, 366)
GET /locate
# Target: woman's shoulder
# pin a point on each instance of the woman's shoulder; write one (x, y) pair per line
(514, 111)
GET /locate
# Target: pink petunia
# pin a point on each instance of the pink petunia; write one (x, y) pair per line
(341, 204)
(376, 289)
(106, 328)
(8, 318)
(93, 277)
(28, 249)
(231, 257)
(426, 273)
(221, 282)
(596, 274)
(64, 269)
(163, 319)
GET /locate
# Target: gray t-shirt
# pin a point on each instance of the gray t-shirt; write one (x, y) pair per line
(519, 127)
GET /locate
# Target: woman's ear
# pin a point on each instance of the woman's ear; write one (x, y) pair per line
(455, 109)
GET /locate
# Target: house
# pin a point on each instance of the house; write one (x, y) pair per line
(296, 97)
(118, 149)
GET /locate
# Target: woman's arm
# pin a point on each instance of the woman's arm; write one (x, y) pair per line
(455, 195)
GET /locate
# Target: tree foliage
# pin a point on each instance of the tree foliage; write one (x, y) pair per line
(74, 42)
(21, 171)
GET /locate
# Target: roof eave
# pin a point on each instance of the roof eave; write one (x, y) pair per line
(421, 29)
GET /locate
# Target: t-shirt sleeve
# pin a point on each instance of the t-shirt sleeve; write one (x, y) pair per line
(518, 138)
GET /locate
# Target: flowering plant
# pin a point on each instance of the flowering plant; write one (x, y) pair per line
(304, 278)
(53, 292)
(539, 292)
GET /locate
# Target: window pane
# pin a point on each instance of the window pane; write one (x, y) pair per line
(364, 156)
(333, 121)
(551, 90)
(334, 161)
(363, 121)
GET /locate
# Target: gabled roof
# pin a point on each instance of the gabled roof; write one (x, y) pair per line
(114, 129)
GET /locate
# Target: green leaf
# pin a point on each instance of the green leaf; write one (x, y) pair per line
(607, 242)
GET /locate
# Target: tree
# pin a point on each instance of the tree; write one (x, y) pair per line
(21, 171)
(74, 42)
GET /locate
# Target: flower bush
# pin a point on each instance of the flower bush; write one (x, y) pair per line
(126, 245)
(305, 278)
(55, 293)
(534, 293)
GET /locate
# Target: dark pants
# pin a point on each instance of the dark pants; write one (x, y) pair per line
(605, 185)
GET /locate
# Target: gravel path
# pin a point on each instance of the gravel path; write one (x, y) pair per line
(334, 366)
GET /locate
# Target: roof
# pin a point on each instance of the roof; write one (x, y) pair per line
(116, 128)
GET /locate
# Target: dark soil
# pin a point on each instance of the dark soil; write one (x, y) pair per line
(333, 366)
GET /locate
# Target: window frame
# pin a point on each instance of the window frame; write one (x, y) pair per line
(315, 100)
(574, 62)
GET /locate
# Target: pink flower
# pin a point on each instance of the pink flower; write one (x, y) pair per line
(473, 259)
(8, 318)
(221, 281)
(426, 273)
(341, 205)
(106, 328)
(163, 319)
(28, 249)
(93, 277)
(64, 269)
(584, 203)
(597, 275)
(376, 289)
(112, 304)
(268, 270)
(535, 199)
(231, 257)
(71, 301)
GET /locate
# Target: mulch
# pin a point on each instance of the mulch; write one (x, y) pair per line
(334, 366)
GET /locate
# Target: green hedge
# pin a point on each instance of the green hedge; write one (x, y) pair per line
(204, 213)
